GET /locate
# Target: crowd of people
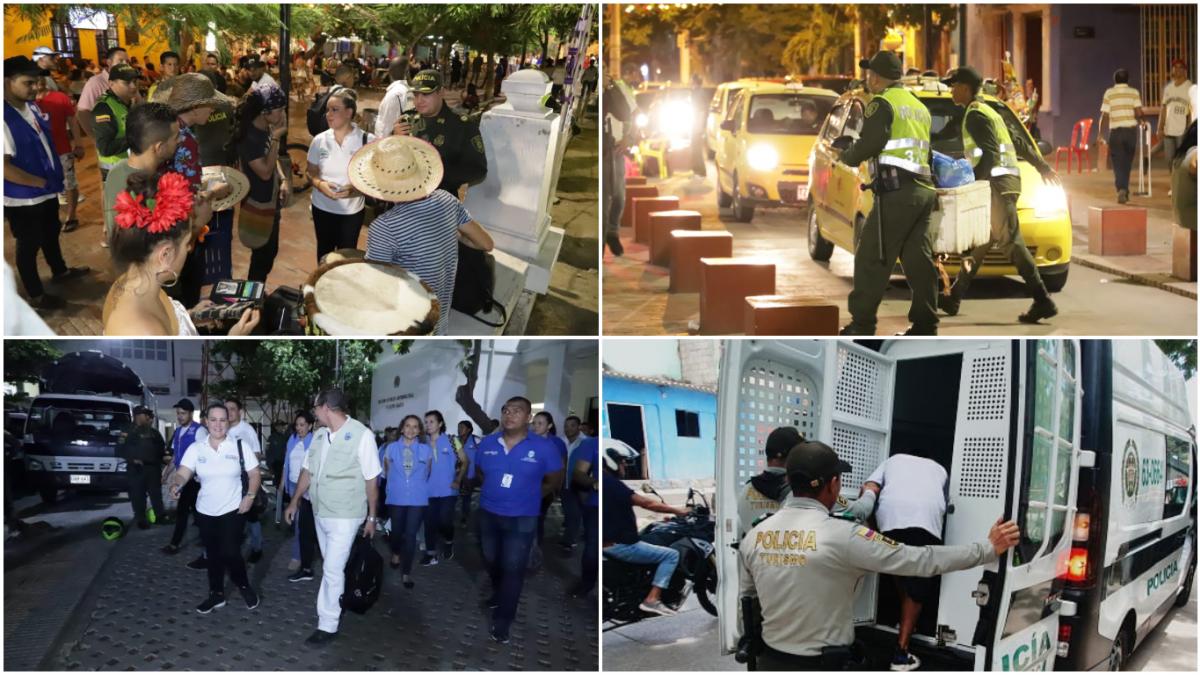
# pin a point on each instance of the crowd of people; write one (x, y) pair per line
(339, 479)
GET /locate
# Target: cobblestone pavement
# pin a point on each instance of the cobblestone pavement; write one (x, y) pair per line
(139, 614)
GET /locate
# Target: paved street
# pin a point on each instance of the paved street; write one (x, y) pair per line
(76, 602)
(1094, 302)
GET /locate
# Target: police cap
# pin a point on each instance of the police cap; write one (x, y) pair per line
(143, 410)
(966, 75)
(781, 441)
(812, 462)
(427, 82)
(124, 71)
(886, 64)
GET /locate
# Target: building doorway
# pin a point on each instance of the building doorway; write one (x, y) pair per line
(627, 423)
(1033, 53)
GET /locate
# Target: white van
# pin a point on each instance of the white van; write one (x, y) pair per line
(1004, 418)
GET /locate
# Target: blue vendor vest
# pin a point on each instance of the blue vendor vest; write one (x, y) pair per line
(30, 155)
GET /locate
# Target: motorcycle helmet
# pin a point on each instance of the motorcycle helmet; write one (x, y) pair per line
(616, 452)
(112, 529)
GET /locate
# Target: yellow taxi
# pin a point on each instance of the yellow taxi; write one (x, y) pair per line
(764, 143)
(722, 97)
(838, 207)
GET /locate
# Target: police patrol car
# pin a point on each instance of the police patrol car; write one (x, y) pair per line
(1088, 445)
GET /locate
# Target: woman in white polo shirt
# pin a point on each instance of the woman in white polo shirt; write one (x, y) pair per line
(337, 208)
(220, 505)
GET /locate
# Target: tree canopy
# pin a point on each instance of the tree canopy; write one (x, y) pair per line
(1182, 353)
(24, 360)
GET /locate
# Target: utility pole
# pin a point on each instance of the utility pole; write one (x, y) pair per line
(613, 42)
(285, 50)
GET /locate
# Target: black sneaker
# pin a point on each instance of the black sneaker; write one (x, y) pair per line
(250, 597)
(1040, 309)
(200, 563)
(254, 557)
(408, 582)
(949, 304)
(170, 549)
(449, 554)
(320, 637)
(429, 560)
(496, 636)
(214, 601)
(614, 244)
(493, 601)
(301, 575)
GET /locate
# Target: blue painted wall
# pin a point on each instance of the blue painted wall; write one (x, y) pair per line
(1083, 68)
(670, 457)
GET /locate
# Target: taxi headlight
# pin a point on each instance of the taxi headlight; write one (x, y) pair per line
(676, 116)
(762, 157)
(641, 120)
(1049, 200)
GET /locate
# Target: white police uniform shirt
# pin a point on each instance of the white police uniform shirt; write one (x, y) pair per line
(913, 494)
(219, 473)
(809, 565)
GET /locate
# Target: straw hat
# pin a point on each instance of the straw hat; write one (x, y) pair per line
(237, 181)
(396, 169)
(193, 90)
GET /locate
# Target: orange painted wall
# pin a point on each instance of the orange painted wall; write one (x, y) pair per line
(152, 41)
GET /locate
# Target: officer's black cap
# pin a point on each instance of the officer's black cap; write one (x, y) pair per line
(253, 62)
(781, 441)
(186, 404)
(143, 410)
(812, 463)
(426, 82)
(16, 66)
(886, 64)
(966, 75)
(124, 71)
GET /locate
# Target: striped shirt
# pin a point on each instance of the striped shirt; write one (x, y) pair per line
(422, 237)
(1119, 102)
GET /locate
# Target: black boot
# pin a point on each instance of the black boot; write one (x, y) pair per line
(614, 244)
(1043, 308)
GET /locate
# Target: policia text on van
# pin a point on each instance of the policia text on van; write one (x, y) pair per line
(803, 566)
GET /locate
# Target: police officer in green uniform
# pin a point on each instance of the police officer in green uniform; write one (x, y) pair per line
(803, 565)
(455, 135)
(110, 113)
(895, 137)
(994, 152)
(143, 448)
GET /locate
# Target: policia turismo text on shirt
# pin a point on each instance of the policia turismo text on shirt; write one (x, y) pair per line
(803, 567)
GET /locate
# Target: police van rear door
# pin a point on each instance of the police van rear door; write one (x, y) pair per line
(1021, 616)
(836, 392)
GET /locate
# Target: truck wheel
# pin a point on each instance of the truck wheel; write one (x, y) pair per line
(1185, 593)
(819, 248)
(49, 495)
(742, 213)
(1055, 282)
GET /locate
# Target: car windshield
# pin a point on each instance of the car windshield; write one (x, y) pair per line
(836, 84)
(800, 114)
(80, 420)
(946, 133)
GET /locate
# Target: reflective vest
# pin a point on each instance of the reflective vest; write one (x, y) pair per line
(1006, 163)
(120, 111)
(908, 148)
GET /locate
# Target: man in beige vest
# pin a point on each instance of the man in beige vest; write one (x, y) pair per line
(339, 474)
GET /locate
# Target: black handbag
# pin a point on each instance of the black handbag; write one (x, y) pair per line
(474, 284)
(260, 497)
(364, 576)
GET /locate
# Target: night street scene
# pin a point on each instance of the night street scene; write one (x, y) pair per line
(379, 525)
(816, 169)
(450, 188)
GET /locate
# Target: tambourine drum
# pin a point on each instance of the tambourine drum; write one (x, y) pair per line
(363, 297)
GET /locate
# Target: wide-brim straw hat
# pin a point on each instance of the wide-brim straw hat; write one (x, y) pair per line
(193, 90)
(238, 182)
(396, 169)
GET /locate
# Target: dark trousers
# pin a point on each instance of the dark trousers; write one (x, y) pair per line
(614, 189)
(506, 541)
(464, 496)
(336, 230)
(145, 480)
(1122, 145)
(262, 259)
(439, 524)
(406, 520)
(591, 543)
(541, 528)
(307, 534)
(222, 536)
(36, 228)
(187, 504)
(1006, 236)
(572, 516)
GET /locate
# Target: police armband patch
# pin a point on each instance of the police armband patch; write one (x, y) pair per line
(439, 139)
(103, 118)
(841, 501)
(872, 108)
(871, 535)
(477, 143)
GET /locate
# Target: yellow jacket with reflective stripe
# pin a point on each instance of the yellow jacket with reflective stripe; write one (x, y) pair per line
(1006, 163)
(908, 148)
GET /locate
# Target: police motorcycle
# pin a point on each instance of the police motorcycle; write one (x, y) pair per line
(626, 585)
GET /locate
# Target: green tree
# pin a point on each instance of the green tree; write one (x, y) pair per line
(24, 360)
(1182, 353)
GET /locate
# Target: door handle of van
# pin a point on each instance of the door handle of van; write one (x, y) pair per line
(949, 509)
(981, 594)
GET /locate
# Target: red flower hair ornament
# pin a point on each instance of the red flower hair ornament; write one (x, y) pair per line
(171, 204)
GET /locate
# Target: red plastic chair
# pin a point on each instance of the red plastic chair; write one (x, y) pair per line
(1079, 146)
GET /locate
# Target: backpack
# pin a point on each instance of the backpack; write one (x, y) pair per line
(474, 283)
(364, 576)
(315, 115)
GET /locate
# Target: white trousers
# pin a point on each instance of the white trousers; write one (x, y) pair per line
(335, 536)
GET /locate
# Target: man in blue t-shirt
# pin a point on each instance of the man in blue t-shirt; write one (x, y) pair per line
(516, 470)
(621, 533)
(585, 489)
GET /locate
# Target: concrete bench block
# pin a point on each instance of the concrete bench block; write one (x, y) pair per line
(634, 180)
(631, 193)
(1117, 230)
(662, 223)
(1183, 254)
(724, 285)
(789, 315)
(687, 248)
(642, 208)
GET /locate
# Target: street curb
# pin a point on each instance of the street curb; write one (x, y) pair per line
(75, 622)
(1137, 278)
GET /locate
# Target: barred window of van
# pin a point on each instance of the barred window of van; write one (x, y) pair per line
(1178, 476)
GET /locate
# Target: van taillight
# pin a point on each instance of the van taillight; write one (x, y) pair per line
(1083, 525)
(1077, 565)
(1064, 632)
